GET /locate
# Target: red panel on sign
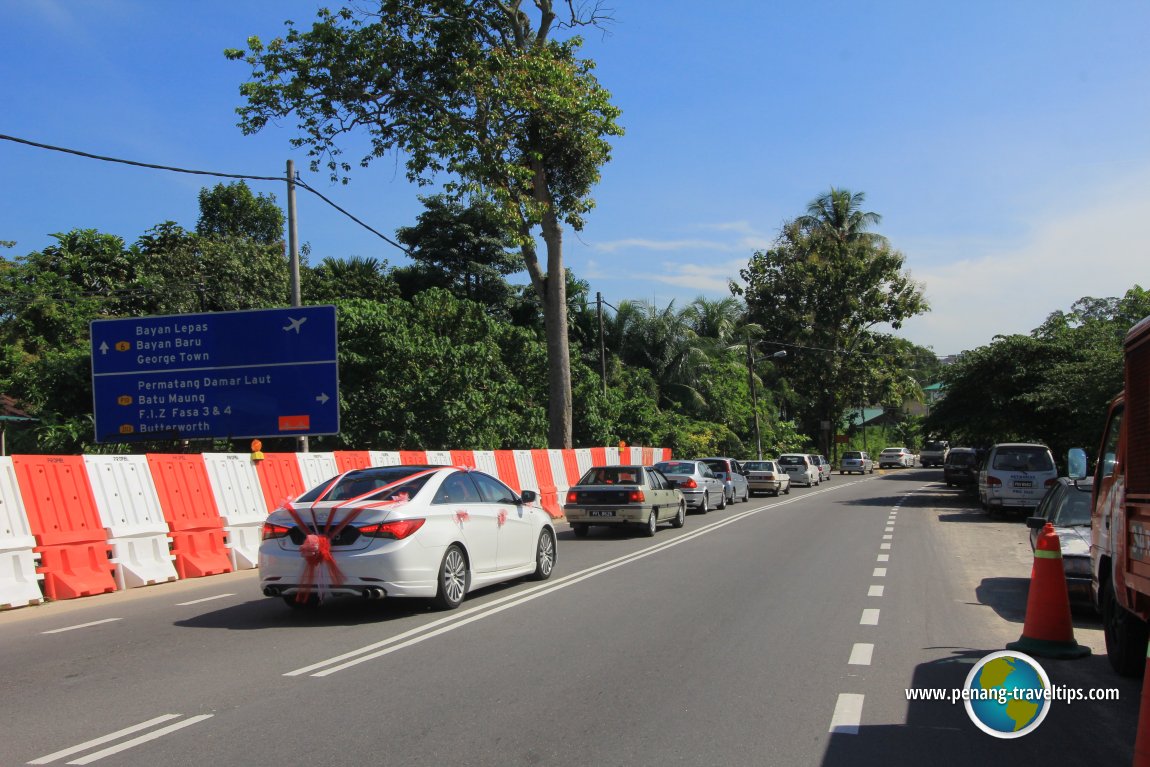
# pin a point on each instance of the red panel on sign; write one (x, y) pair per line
(58, 499)
(294, 422)
(349, 460)
(508, 474)
(185, 491)
(280, 478)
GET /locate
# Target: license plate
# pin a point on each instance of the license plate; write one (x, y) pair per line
(602, 513)
(1023, 483)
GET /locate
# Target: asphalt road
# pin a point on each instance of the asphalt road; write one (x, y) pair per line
(776, 632)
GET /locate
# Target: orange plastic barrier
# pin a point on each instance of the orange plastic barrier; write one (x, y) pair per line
(598, 456)
(58, 499)
(201, 552)
(571, 467)
(280, 478)
(508, 474)
(189, 506)
(349, 460)
(75, 558)
(413, 456)
(463, 458)
(648, 456)
(548, 493)
(76, 570)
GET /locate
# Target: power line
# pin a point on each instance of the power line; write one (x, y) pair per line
(173, 169)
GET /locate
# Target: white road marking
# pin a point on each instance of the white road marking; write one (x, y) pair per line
(104, 739)
(889, 530)
(142, 739)
(79, 626)
(884, 546)
(869, 617)
(875, 591)
(848, 714)
(888, 537)
(879, 572)
(205, 599)
(883, 558)
(861, 654)
(463, 617)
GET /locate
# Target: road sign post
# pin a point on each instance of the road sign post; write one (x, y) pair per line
(258, 373)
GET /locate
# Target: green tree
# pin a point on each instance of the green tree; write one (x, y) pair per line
(476, 89)
(339, 278)
(822, 290)
(231, 210)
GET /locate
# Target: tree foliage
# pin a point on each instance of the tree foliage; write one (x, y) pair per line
(478, 90)
(821, 292)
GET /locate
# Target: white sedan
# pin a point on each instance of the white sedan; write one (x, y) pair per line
(436, 532)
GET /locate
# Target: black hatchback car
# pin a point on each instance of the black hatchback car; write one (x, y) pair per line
(961, 467)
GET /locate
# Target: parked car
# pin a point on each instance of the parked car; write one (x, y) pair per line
(734, 480)
(404, 531)
(823, 465)
(699, 485)
(624, 495)
(767, 477)
(1066, 505)
(961, 467)
(934, 453)
(1015, 475)
(896, 457)
(856, 461)
(800, 469)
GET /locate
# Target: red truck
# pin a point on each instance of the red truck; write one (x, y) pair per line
(1120, 516)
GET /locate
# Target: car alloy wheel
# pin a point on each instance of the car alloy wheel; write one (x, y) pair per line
(680, 516)
(652, 524)
(544, 556)
(706, 504)
(452, 579)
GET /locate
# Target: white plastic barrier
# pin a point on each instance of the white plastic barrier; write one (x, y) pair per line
(384, 457)
(612, 456)
(583, 458)
(236, 488)
(485, 462)
(316, 468)
(129, 508)
(19, 585)
(440, 457)
(525, 468)
(558, 471)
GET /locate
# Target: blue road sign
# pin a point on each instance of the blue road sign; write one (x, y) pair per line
(258, 373)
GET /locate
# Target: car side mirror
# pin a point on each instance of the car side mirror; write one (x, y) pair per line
(1076, 463)
(1036, 523)
(528, 496)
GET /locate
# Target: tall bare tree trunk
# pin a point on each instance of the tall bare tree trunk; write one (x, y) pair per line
(559, 401)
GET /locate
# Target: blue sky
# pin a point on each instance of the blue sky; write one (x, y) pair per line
(1006, 145)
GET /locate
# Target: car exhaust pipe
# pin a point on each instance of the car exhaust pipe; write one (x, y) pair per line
(374, 592)
(271, 591)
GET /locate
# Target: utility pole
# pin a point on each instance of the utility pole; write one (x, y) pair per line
(602, 344)
(293, 260)
(754, 397)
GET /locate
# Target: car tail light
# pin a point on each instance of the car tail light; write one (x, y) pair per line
(688, 483)
(397, 530)
(273, 531)
(636, 496)
(1050, 482)
(991, 481)
(572, 496)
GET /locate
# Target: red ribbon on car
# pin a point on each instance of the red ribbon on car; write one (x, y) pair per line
(320, 570)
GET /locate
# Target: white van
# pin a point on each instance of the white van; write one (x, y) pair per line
(1015, 476)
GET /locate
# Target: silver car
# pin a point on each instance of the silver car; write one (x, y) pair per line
(698, 484)
(734, 477)
(856, 461)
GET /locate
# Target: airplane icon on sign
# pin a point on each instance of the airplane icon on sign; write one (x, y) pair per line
(294, 324)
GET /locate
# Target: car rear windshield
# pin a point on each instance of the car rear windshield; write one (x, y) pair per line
(717, 466)
(791, 460)
(1023, 459)
(961, 459)
(359, 483)
(758, 466)
(613, 475)
(851, 455)
(934, 446)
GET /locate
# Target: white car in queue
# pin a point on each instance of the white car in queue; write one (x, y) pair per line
(436, 532)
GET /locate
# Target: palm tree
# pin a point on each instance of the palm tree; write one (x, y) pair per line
(838, 216)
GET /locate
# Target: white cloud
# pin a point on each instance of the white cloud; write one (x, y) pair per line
(1097, 250)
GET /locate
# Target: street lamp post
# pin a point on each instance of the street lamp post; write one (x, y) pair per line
(754, 393)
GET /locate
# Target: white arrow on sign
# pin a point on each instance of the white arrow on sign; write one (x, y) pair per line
(322, 398)
(103, 347)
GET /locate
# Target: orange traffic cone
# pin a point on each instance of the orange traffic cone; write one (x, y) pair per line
(1048, 631)
(1142, 741)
